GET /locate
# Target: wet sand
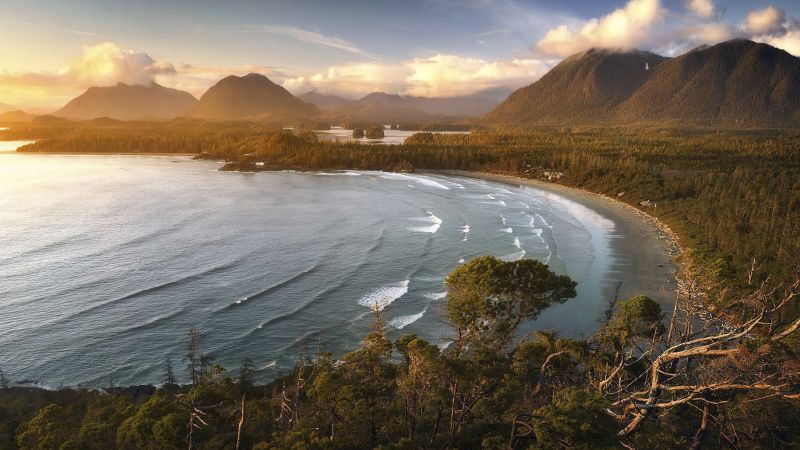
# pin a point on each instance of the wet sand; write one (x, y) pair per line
(644, 253)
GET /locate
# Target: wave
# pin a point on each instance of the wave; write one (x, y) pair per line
(348, 174)
(271, 288)
(436, 295)
(266, 366)
(148, 290)
(461, 261)
(384, 296)
(433, 228)
(465, 229)
(531, 219)
(516, 243)
(503, 219)
(507, 230)
(401, 322)
(420, 180)
(544, 221)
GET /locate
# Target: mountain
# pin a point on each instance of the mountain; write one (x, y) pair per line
(4, 108)
(129, 102)
(738, 82)
(16, 117)
(735, 83)
(584, 87)
(252, 96)
(325, 102)
(391, 108)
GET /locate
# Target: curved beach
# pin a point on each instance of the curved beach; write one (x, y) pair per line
(644, 256)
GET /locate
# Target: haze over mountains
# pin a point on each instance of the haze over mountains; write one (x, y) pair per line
(129, 102)
(4, 107)
(252, 96)
(735, 83)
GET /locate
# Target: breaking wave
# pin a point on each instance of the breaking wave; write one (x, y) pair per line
(384, 296)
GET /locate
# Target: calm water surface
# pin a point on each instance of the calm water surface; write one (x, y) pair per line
(392, 137)
(107, 261)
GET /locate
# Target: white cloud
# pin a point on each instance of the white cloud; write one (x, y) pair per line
(708, 33)
(436, 76)
(196, 79)
(623, 28)
(772, 26)
(790, 41)
(104, 64)
(107, 64)
(705, 9)
(769, 21)
(309, 37)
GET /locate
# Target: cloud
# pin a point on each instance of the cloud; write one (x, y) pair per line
(772, 26)
(705, 9)
(309, 37)
(104, 64)
(441, 75)
(708, 33)
(107, 64)
(768, 21)
(790, 41)
(503, 32)
(196, 79)
(623, 28)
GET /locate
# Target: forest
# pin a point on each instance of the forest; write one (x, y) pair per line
(720, 371)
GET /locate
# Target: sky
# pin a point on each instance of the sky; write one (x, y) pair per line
(52, 50)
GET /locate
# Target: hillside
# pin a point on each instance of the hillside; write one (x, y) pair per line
(252, 96)
(15, 116)
(128, 102)
(5, 107)
(736, 82)
(392, 108)
(327, 102)
(584, 87)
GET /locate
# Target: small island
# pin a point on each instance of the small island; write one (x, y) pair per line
(374, 132)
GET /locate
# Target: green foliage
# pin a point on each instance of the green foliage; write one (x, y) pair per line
(373, 132)
(158, 424)
(49, 429)
(575, 419)
(488, 298)
(637, 318)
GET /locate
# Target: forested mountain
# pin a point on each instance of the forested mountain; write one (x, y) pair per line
(735, 83)
(327, 102)
(585, 87)
(4, 108)
(389, 108)
(252, 96)
(129, 102)
(15, 116)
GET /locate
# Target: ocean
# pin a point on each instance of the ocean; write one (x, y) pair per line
(107, 261)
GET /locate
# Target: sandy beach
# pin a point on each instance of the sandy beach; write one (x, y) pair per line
(644, 254)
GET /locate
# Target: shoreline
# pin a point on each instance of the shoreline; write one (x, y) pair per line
(646, 258)
(15, 152)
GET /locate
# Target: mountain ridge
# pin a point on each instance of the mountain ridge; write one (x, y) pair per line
(128, 102)
(249, 97)
(737, 82)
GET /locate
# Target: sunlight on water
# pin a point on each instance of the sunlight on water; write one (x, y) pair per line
(108, 260)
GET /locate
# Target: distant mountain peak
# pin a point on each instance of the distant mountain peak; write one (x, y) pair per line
(252, 96)
(737, 82)
(128, 102)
